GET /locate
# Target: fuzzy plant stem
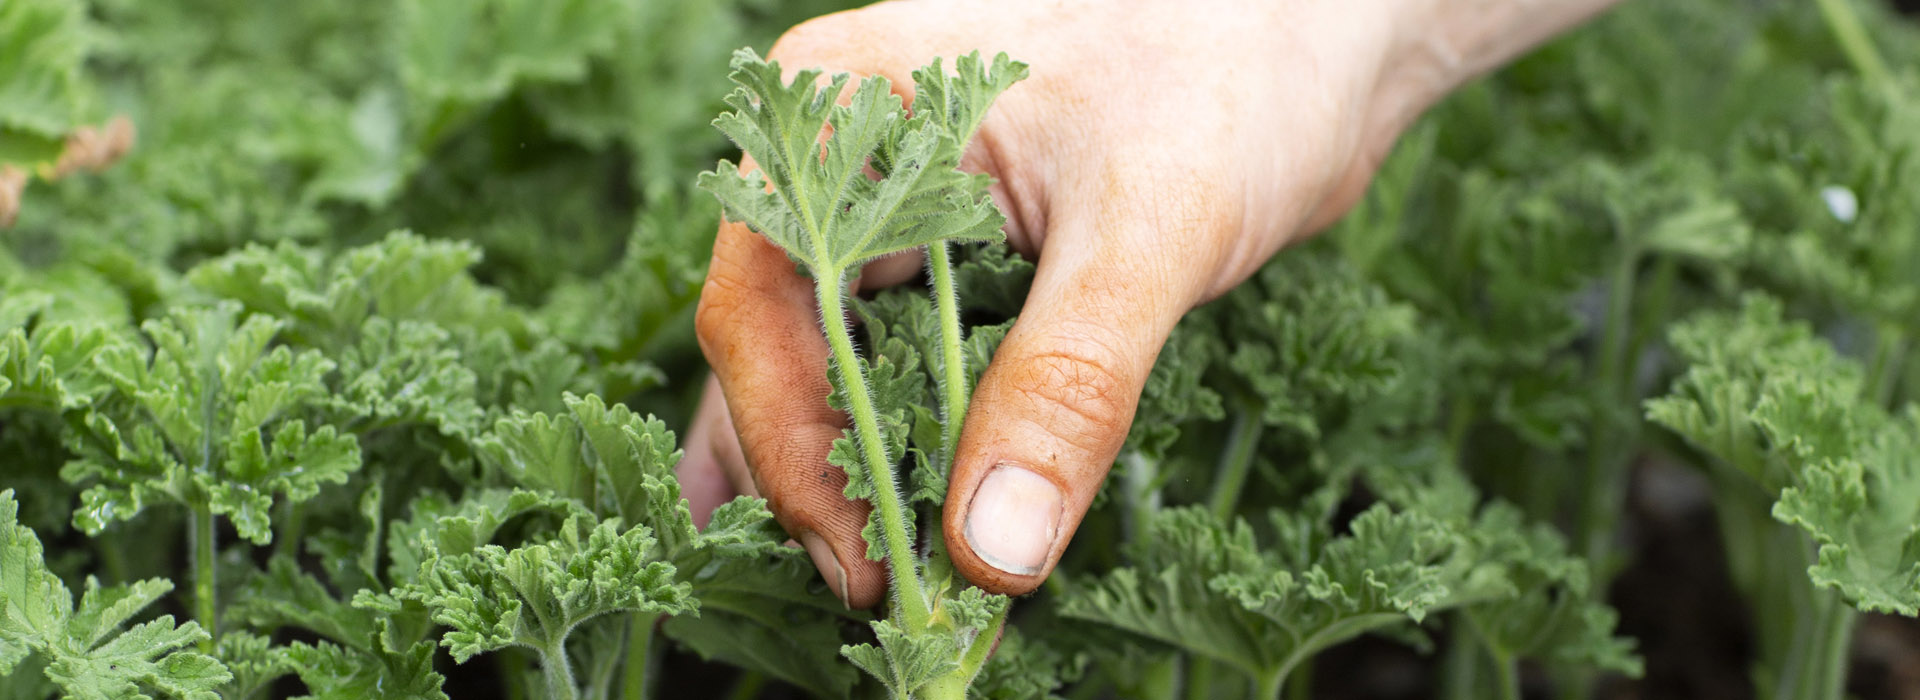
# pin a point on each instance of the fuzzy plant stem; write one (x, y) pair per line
(1300, 683)
(1852, 36)
(1199, 679)
(748, 687)
(910, 598)
(1605, 487)
(953, 383)
(1235, 464)
(558, 671)
(639, 655)
(205, 609)
(1271, 685)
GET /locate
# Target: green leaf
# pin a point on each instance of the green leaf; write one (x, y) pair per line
(406, 372)
(1549, 613)
(457, 56)
(770, 614)
(205, 421)
(43, 49)
(50, 369)
(904, 661)
(1209, 589)
(438, 528)
(331, 672)
(534, 595)
(90, 655)
(1766, 397)
(613, 461)
(824, 210)
(1861, 511)
(1023, 668)
(254, 662)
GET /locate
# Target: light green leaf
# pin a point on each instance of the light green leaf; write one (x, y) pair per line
(89, 655)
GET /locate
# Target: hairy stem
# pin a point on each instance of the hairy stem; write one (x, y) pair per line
(1199, 677)
(1883, 370)
(1270, 685)
(1854, 41)
(1509, 675)
(639, 655)
(953, 383)
(866, 424)
(1235, 463)
(1460, 667)
(1606, 467)
(1143, 500)
(1300, 683)
(205, 608)
(976, 656)
(557, 670)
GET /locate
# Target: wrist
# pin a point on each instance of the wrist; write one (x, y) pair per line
(1437, 45)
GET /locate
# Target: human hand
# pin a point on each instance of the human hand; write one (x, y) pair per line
(1158, 155)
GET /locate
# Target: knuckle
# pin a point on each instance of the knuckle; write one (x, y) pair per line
(711, 314)
(1079, 393)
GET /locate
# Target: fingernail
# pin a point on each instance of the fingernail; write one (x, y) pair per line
(828, 565)
(1013, 520)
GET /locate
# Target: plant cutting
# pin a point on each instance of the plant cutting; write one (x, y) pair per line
(813, 198)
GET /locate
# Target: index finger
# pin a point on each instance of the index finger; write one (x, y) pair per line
(758, 325)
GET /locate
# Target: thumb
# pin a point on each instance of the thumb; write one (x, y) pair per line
(1052, 410)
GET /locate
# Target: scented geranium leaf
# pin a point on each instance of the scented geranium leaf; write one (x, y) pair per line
(351, 556)
(992, 278)
(1023, 668)
(535, 594)
(610, 459)
(203, 421)
(285, 596)
(1860, 511)
(90, 651)
(1310, 339)
(1767, 397)
(664, 49)
(327, 299)
(1762, 394)
(43, 49)
(254, 662)
(294, 467)
(437, 527)
(1209, 589)
(1827, 191)
(406, 372)
(742, 527)
(642, 307)
(34, 604)
(50, 369)
(332, 672)
(771, 614)
(958, 101)
(1548, 613)
(904, 661)
(1176, 392)
(458, 56)
(823, 209)
(148, 654)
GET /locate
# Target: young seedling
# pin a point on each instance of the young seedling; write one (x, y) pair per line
(814, 198)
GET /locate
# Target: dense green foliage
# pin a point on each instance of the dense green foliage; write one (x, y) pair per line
(360, 375)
